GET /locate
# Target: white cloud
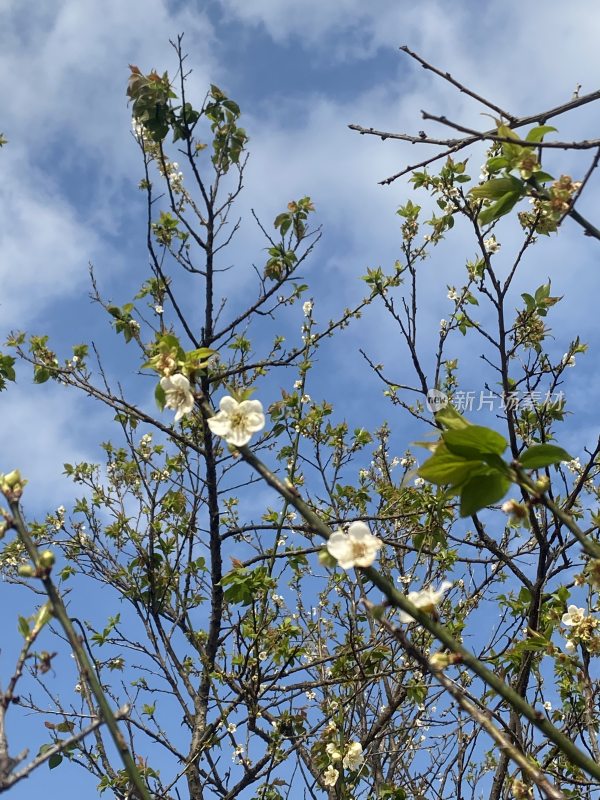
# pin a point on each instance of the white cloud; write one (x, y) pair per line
(44, 249)
(43, 428)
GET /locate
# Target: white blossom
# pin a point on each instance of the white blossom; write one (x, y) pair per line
(419, 482)
(491, 245)
(452, 294)
(570, 645)
(357, 548)
(443, 324)
(354, 756)
(425, 599)
(548, 705)
(236, 422)
(568, 361)
(330, 776)
(178, 395)
(573, 617)
(332, 751)
(158, 309)
(231, 728)
(307, 308)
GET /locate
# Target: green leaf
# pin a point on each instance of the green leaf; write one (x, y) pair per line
(497, 163)
(160, 396)
(482, 491)
(451, 419)
(474, 442)
(448, 468)
(496, 188)
(543, 455)
(55, 760)
(502, 207)
(40, 374)
(537, 134)
(65, 727)
(541, 177)
(24, 627)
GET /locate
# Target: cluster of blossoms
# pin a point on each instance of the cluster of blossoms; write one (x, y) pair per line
(352, 759)
(175, 177)
(358, 548)
(548, 210)
(235, 422)
(582, 629)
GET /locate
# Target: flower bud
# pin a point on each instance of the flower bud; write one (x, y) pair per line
(325, 559)
(12, 484)
(47, 559)
(26, 571)
(440, 660)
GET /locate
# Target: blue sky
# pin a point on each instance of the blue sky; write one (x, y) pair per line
(300, 72)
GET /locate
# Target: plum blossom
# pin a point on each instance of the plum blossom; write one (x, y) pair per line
(236, 422)
(425, 599)
(491, 245)
(332, 751)
(357, 548)
(573, 617)
(354, 756)
(307, 308)
(178, 395)
(330, 776)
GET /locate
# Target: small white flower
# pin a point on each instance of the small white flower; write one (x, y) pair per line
(574, 465)
(452, 294)
(491, 245)
(354, 756)
(548, 705)
(231, 728)
(568, 361)
(570, 645)
(425, 599)
(573, 617)
(310, 695)
(330, 776)
(357, 548)
(332, 751)
(158, 309)
(236, 422)
(298, 384)
(443, 324)
(178, 395)
(305, 399)
(307, 308)
(262, 656)
(419, 482)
